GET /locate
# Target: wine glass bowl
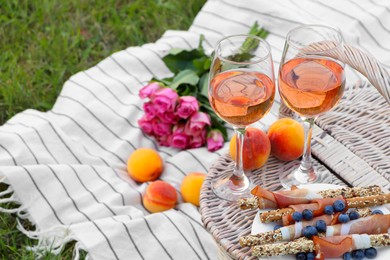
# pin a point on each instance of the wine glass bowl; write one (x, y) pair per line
(311, 82)
(241, 92)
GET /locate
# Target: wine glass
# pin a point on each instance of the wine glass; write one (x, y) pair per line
(311, 82)
(241, 92)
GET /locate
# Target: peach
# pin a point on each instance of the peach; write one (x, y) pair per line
(144, 164)
(287, 139)
(256, 151)
(159, 196)
(190, 187)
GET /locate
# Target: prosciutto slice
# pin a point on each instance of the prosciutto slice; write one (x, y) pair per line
(317, 206)
(293, 231)
(283, 198)
(375, 224)
(336, 246)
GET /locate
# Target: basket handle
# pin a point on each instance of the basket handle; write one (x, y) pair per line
(367, 65)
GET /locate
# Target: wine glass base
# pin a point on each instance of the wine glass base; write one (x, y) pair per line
(292, 174)
(225, 189)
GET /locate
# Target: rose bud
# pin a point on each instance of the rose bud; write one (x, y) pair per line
(148, 90)
(196, 123)
(215, 140)
(146, 125)
(165, 100)
(187, 106)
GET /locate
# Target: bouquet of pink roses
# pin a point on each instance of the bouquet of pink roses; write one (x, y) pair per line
(178, 112)
(177, 121)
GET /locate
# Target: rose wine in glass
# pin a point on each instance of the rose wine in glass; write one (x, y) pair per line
(241, 92)
(311, 82)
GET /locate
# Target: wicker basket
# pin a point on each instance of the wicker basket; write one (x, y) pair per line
(226, 222)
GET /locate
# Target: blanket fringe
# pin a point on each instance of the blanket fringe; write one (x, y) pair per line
(77, 249)
(5, 198)
(52, 240)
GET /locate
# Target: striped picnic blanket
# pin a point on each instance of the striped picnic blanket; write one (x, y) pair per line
(67, 167)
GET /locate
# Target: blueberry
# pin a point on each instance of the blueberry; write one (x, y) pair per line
(347, 256)
(338, 205)
(309, 231)
(301, 256)
(321, 225)
(377, 211)
(328, 210)
(370, 253)
(310, 256)
(297, 216)
(353, 215)
(343, 218)
(358, 254)
(277, 227)
(307, 214)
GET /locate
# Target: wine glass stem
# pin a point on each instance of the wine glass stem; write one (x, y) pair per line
(306, 166)
(238, 173)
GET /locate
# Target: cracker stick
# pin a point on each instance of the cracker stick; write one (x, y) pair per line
(330, 247)
(280, 199)
(318, 205)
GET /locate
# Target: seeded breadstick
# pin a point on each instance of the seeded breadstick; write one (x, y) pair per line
(259, 202)
(306, 245)
(352, 192)
(250, 203)
(362, 202)
(290, 232)
(289, 248)
(358, 202)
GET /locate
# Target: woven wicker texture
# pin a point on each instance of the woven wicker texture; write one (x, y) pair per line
(353, 141)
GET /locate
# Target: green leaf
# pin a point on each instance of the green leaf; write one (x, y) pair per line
(207, 64)
(187, 90)
(184, 77)
(182, 60)
(219, 124)
(204, 84)
(175, 51)
(200, 64)
(164, 82)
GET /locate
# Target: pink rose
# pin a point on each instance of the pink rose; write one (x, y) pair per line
(179, 139)
(160, 128)
(199, 140)
(164, 140)
(196, 123)
(168, 117)
(146, 125)
(165, 100)
(149, 90)
(214, 140)
(150, 110)
(187, 106)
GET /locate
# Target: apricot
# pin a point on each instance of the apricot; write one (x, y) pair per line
(144, 164)
(256, 150)
(159, 196)
(287, 139)
(190, 187)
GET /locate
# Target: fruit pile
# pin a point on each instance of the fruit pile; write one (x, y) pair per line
(146, 165)
(284, 140)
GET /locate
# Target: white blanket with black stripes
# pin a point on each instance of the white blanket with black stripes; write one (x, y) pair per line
(67, 169)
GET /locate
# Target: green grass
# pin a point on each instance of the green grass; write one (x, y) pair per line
(44, 42)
